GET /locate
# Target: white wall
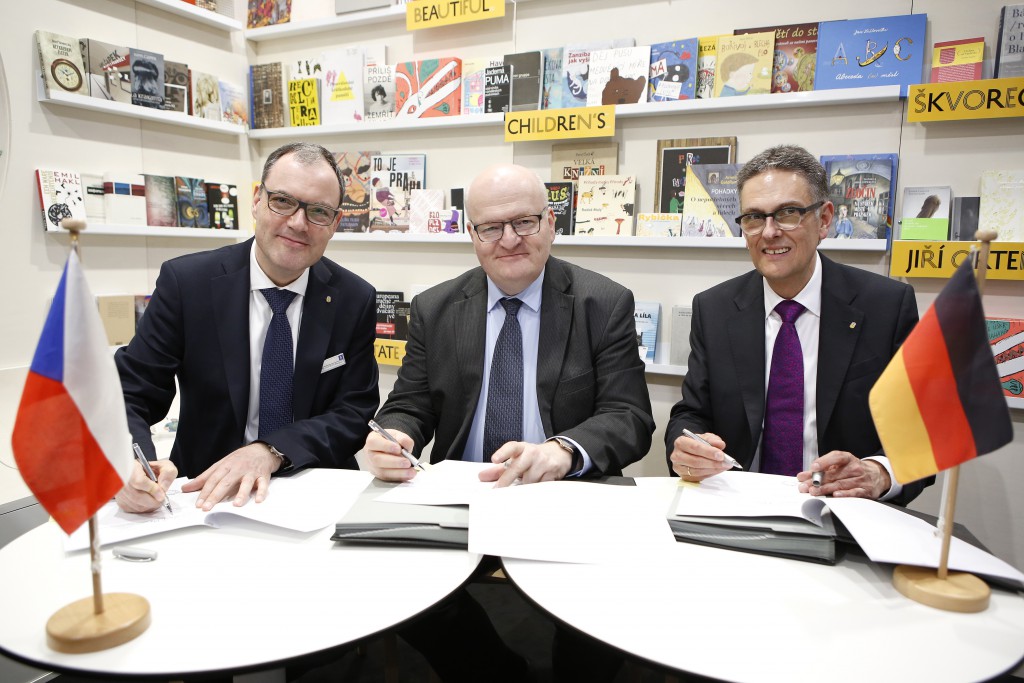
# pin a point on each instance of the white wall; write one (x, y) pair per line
(948, 153)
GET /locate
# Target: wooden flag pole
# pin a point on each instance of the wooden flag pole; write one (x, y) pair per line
(102, 621)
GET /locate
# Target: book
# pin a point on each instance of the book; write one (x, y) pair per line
(61, 196)
(679, 348)
(497, 88)
(562, 200)
(268, 13)
(161, 200)
(551, 87)
(379, 92)
(117, 313)
(1002, 204)
(673, 71)
(304, 102)
(386, 313)
(206, 96)
(61, 64)
(707, 60)
(423, 202)
(674, 155)
(1010, 42)
(102, 60)
(193, 206)
(646, 315)
(572, 160)
(862, 187)
(343, 6)
(393, 177)
(93, 187)
(233, 103)
(473, 83)
(527, 78)
(428, 87)
(576, 68)
(658, 224)
(744, 64)
(342, 89)
(355, 201)
(712, 201)
(147, 78)
(957, 60)
(222, 204)
(605, 205)
(1006, 336)
(124, 199)
(619, 76)
(266, 88)
(796, 49)
(177, 96)
(859, 53)
(926, 213)
(964, 219)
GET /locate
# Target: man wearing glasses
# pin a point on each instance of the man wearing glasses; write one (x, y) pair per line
(271, 345)
(782, 358)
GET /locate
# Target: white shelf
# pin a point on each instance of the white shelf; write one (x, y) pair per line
(174, 118)
(403, 237)
(203, 16)
(156, 231)
(664, 369)
(389, 126)
(1015, 402)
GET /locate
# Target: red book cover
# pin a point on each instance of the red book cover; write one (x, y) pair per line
(428, 87)
(957, 60)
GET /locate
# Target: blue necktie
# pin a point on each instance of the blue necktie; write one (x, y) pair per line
(504, 418)
(278, 365)
(782, 443)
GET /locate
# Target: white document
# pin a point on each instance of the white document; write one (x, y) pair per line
(749, 494)
(306, 501)
(569, 521)
(449, 482)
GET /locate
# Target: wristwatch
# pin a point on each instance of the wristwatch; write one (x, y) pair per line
(577, 457)
(286, 464)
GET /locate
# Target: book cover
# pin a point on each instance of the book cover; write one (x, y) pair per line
(619, 76)
(645, 319)
(176, 92)
(342, 92)
(674, 155)
(571, 160)
(473, 83)
(707, 60)
(925, 214)
(605, 205)
(444, 220)
(147, 78)
(355, 201)
(379, 92)
(393, 177)
(266, 85)
(423, 202)
(964, 221)
(1010, 43)
(658, 224)
(206, 96)
(233, 103)
(268, 13)
(497, 89)
(304, 102)
(1006, 335)
(1002, 204)
(161, 200)
(859, 53)
(124, 199)
(193, 207)
(679, 348)
(527, 79)
(60, 61)
(862, 187)
(673, 74)
(562, 200)
(712, 201)
(101, 60)
(61, 195)
(386, 314)
(222, 204)
(93, 187)
(343, 6)
(551, 88)
(576, 69)
(796, 51)
(958, 60)
(117, 313)
(428, 87)
(744, 64)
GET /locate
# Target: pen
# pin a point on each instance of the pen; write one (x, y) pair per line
(408, 456)
(816, 478)
(729, 460)
(149, 472)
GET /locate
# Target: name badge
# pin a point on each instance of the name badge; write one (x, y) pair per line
(333, 362)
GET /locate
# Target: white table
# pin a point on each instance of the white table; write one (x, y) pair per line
(239, 598)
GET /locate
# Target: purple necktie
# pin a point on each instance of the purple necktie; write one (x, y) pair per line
(782, 443)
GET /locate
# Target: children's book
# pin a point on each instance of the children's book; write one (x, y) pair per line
(606, 205)
(862, 188)
(673, 73)
(61, 196)
(744, 64)
(860, 53)
(576, 69)
(562, 200)
(674, 155)
(619, 76)
(796, 48)
(646, 315)
(551, 95)
(658, 224)
(707, 60)
(428, 87)
(571, 160)
(393, 177)
(422, 204)
(712, 201)
(355, 202)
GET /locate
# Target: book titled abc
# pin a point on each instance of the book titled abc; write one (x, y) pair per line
(859, 53)
(193, 211)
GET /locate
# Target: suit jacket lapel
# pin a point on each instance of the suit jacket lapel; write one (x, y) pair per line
(469, 317)
(319, 309)
(229, 294)
(746, 330)
(839, 331)
(556, 310)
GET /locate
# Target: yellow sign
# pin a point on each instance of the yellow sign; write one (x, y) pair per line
(388, 351)
(560, 124)
(941, 259)
(957, 100)
(433, 13)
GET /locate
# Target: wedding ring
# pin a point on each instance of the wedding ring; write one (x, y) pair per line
(507, 463)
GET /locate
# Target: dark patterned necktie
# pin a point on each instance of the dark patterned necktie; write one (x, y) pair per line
(278, 365)
(504, 417)
(782, 444)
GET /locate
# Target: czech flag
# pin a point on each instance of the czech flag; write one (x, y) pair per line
(70, 439)
(939, 402)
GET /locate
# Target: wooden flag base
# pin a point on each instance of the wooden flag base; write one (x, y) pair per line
(76, 628)
(958, 592)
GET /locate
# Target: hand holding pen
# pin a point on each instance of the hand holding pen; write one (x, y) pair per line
(390, 473)
(691, 461)
(138, 495)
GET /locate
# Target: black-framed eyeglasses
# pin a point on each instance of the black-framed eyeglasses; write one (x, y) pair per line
(787, 218)
(286, 205)
(522, 226)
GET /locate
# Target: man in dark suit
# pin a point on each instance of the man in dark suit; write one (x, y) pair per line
(206, 325)
(578, 399)
(848, 324)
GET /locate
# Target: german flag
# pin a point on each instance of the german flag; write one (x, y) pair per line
(939, 402)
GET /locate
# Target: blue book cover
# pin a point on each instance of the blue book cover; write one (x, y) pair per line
(645, 317)
(673, 71)
(552, 89)
(860, 53)
(863, 189)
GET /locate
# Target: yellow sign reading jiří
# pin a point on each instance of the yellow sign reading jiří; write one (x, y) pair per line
(560, 124)
(432, 13)
(911, 258)
(991, 99)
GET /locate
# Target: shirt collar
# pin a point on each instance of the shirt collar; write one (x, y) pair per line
(809, 297)
(530, 296)
(259, 280)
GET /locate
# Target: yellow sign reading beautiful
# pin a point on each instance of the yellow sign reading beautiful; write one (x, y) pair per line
(990, 99)
(560, 124)
(941, 259)
(433, 13)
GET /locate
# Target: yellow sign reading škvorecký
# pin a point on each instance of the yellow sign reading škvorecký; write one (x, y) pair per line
(958, 100)
(560, 124)
(432, 13)
(388, 351)
(941, 259)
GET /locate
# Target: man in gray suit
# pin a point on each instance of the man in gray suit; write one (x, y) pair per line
(569, 400)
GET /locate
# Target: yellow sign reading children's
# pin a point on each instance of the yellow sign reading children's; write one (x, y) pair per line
(431, 13)
(990, 99)
(941, 259)
(388, 351)
(560, 124)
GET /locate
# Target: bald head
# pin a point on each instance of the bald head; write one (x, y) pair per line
(504, 182)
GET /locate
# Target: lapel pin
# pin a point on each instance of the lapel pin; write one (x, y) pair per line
(328, 299)
(852, 325)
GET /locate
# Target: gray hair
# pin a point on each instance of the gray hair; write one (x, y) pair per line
(306, 153)
(788, 158)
